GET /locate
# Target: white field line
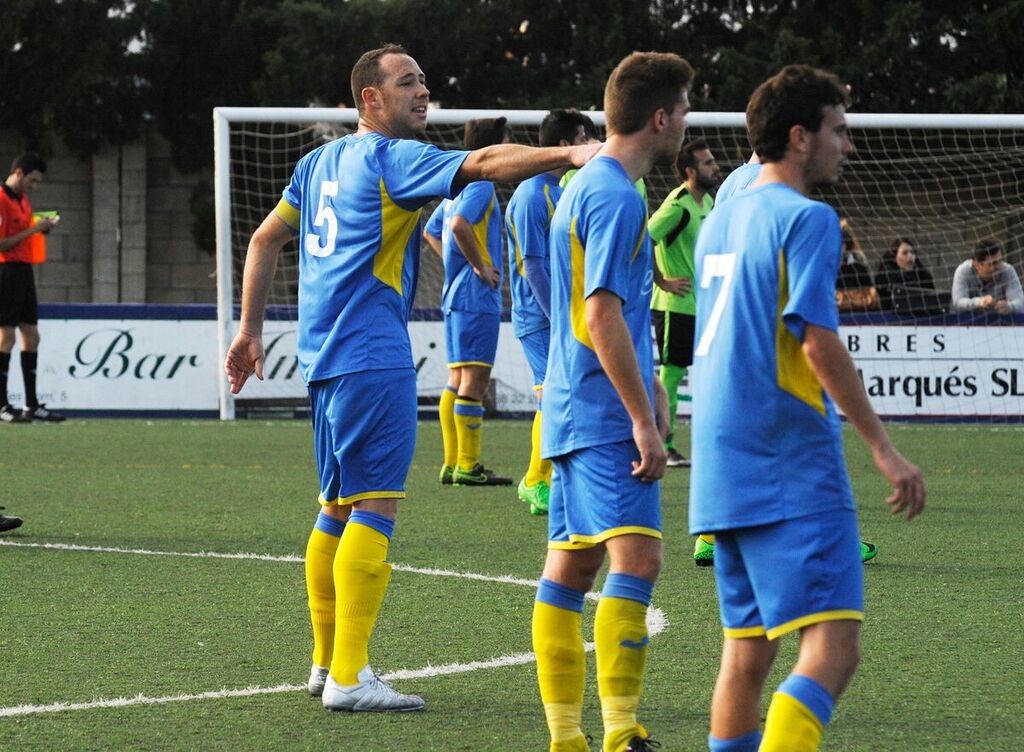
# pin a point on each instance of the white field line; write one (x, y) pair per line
(656, 623)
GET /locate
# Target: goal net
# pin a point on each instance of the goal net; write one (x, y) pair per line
(943, 182)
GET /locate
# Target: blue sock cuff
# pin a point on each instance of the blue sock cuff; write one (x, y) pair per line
(330, 525)
(473, 408)
(383, 525)
(560, 596)
(628, 586)
(450, 388)
(746, 743)
(807, 691)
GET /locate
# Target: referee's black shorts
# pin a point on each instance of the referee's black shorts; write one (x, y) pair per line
(674, 336)
(18, 303)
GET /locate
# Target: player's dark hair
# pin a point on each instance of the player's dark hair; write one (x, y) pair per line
(687, 156)
(484, 132)
(796, 95)
(562, 125)
(589, 129)
(986, 249)
(366, 71)
(640, 85)
(28, 162)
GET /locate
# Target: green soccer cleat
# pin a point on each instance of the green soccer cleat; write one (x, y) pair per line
(703, 553)
(536, 496)
(868, 551)
(478, 476)
(446, 475)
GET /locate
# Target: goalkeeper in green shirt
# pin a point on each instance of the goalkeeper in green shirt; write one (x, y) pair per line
(674, 228)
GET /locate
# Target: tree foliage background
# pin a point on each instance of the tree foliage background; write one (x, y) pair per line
(97, 71)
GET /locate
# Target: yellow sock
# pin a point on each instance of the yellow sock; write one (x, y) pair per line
(707, 538)
(790, 726)
(449, 437)
(561, 664)
(469, 420)
(360, 580)
(539, 469)
(620, 637)
(320, 551)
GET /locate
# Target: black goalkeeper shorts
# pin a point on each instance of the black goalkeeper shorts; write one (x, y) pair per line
(18, 303)
(674, 334)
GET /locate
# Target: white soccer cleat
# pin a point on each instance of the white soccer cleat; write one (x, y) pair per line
(371, 695)
(317, 679)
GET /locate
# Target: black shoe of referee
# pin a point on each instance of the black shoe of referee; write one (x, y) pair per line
(8, 523)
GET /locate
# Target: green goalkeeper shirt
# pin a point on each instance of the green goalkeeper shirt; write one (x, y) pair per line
(674, 228)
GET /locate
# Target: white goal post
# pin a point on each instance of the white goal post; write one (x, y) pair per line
(946, 181)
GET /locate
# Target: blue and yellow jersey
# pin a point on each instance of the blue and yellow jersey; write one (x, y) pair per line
(355, 204)
(766, 437)
(435, 224)
(463, 290)
(599, 241)
(528, 219)
(736, 181)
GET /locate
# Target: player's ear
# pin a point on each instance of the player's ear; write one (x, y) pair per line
(659, 119)
(799, 139)
(371, 97)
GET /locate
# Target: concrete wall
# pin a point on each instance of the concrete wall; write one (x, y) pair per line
(125, 233)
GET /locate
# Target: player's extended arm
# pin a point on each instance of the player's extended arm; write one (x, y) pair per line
(834, 368)
(246, 356)
(462, 231)
(513, 162)
(614, 349)
(434, 243)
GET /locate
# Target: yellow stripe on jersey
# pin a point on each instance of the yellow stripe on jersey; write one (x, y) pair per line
(793, 372)
(287, 214)
(639, 241)
(397, 226)
(577, 303)
(480, 233)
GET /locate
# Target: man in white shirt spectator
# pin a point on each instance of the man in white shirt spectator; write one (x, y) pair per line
(986, 282)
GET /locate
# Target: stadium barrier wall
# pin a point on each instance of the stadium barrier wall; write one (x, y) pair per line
(163, 360)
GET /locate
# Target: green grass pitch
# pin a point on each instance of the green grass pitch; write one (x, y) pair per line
(943, 665)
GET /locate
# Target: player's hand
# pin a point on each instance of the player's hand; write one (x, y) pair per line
(583, 153)
(489, 275)
(908, 490)
(245, 357)
(676, 285)
(652, 452)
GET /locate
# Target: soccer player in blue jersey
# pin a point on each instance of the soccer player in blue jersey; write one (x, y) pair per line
(528, 219)
(599, 425)
(769, 478)
(472, 243)
(354, 205)
(739, 179)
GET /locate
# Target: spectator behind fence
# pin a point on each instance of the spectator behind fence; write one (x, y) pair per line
(986, 282)
(901, 276)
(854, 289)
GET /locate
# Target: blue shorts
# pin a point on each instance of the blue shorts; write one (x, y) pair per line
(594, 497)
(364, 434)
(471, 338)
(778, 578)
(535, 346)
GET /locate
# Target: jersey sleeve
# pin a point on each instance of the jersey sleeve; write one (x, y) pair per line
(611, 228)
(415, 173)
(474, 201)
(812, 255)
(435, 224)
(531, 219)
(669, 215)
